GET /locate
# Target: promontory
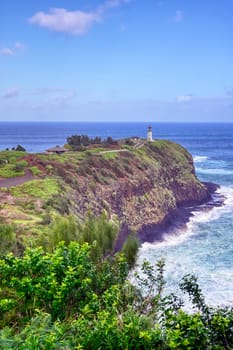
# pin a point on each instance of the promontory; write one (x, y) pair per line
(139, 186)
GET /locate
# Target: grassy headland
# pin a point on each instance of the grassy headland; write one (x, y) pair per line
(138, 187)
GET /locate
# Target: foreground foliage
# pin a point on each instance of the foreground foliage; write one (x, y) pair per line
(66, 300)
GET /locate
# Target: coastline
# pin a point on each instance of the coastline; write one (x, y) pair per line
(179, 218)
(148, 190)
(175, 220)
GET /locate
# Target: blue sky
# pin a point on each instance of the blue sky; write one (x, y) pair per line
(116, 60)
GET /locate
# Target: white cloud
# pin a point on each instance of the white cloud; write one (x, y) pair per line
(112, 4)
(6, 51)
(73, 22)
(184, 98)
(179, 16)
(61, 20)
(11, 93)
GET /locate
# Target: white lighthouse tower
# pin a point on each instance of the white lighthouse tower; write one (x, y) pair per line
(149, 134)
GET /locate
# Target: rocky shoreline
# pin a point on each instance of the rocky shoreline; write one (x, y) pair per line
(175, 220)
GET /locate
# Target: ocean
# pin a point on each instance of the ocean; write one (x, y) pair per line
(205, 246)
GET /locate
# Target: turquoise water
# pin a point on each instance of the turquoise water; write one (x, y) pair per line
(205, 246)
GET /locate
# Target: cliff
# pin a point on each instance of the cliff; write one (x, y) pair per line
(141, 188)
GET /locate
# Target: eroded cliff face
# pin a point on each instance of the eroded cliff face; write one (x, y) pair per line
(141, 188)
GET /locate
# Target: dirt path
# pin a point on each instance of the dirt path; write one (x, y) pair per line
(113, 151)
(14, 181)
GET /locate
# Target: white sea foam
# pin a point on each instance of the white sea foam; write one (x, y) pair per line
(227, 193)
(198, 217)
(208, 256)
(199, 159)
(215, 171)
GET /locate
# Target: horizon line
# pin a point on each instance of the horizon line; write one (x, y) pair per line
(117, 122)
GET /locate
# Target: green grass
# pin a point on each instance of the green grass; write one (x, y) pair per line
(11, 165)
(130, 148)
(70, 157)
(35, 170)
(110, 155)
(11, 156)
(9, 170)
(159, 143)
(95, 150)
(42, 189)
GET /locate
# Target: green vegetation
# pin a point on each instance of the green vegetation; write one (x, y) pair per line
(11, 170)
(166, 149)
(130, 249)
(110, 155)
(11, 156)
(11, 164)
(7, 238)
(79, 142)
(42, 189)
(98, 231)
(60, 229)
(67, 300)
(35, 171)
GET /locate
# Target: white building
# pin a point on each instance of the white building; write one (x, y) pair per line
(149, 134)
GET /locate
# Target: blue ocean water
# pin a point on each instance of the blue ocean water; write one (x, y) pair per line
(205, 246)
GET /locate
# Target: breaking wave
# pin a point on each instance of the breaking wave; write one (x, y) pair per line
(199, 159)
(202, 248)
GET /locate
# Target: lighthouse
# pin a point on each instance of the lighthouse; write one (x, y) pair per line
(149, 134)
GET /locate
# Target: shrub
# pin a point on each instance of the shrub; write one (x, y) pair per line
(63, 300)
(130, 248)
(19, 167)
(59, 202)
(99, 232)
(60, 229)
(7, 238)
(35, 171)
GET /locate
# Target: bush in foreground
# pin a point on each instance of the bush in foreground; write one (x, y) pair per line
(65, 300)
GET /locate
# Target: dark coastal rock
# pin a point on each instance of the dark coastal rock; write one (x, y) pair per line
(211, 187)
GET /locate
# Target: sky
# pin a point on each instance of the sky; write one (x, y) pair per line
(116, 60)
